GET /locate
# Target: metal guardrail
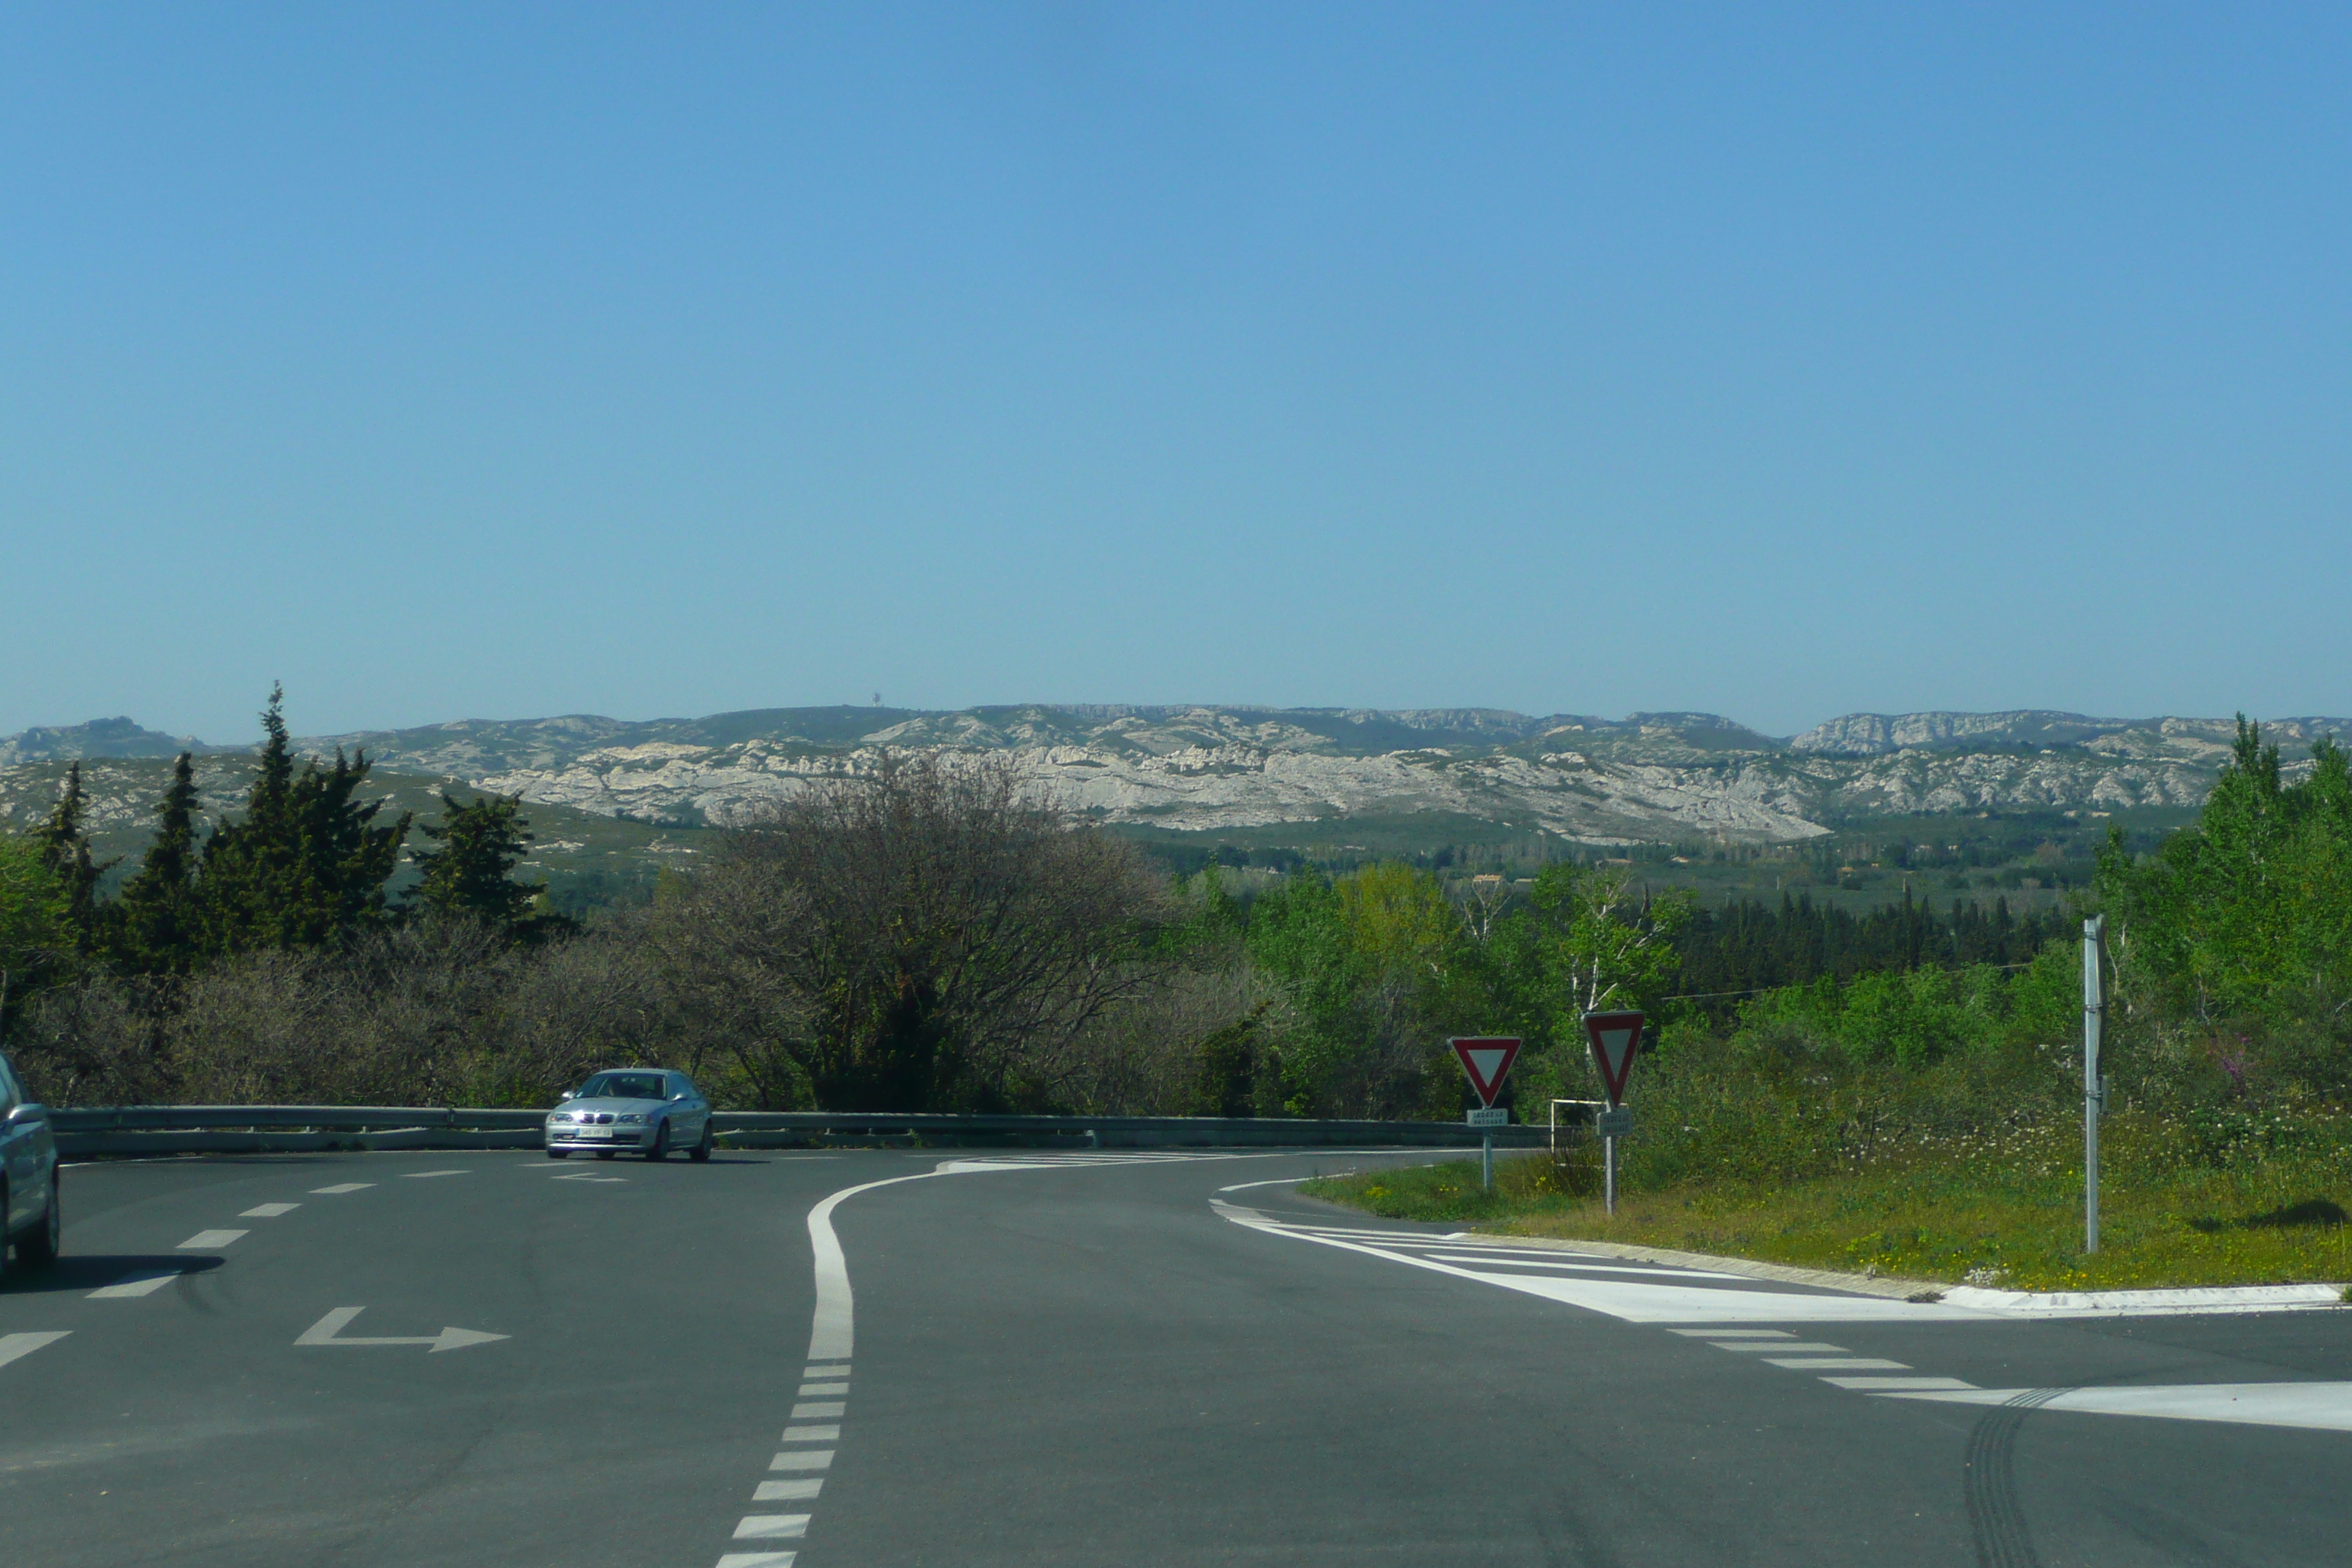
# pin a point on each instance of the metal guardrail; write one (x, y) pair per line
(288, 1129)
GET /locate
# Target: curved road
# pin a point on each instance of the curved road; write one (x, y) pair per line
(488, 1358)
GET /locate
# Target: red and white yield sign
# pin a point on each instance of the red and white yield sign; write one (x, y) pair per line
(1615, 1038)
(1487, 1059)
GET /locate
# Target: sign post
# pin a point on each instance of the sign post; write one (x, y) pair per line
(1614, 1037)
(2095, 1087)
(1486, 1059)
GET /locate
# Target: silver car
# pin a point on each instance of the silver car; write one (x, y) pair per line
(640, 1110)
(28, 1177)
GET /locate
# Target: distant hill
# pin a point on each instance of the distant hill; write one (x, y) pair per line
(1647, 778)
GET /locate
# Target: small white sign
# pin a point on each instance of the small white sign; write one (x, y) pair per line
(1616, 1123)
(1493, 1116)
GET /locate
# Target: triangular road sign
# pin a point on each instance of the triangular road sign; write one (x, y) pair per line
(1487, 1060)
(1615, 1038)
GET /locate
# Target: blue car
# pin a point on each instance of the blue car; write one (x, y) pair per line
(28, 1175)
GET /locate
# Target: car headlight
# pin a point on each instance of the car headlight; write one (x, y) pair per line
(633, 1116)
(561, 1116)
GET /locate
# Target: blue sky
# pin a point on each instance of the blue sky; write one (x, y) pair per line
(499, 362)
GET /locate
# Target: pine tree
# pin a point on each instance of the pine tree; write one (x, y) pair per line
(471, 874)
(159, 927)
(65, 849)
(306, 865)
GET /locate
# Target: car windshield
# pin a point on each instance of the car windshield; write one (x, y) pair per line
(625, 1086)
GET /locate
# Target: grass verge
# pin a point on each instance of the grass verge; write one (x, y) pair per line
(2010, 1218)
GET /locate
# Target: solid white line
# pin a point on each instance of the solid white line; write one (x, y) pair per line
(428, 1175)
(771, 1527)
(758, 1560)
(1839, 1364)
(344, 1187)
(134, 1285)
(1584, 1268)
(268, 1211)
(1890, 1385)
(14, 1346)
(818, 1409)
(819, 1390)
(208, 1238)
(831, 1325)
(1784, 1347)
(2314, 1407)
(787, 1491)
(810, 1434)
(1276, 1182)
(806, 1459)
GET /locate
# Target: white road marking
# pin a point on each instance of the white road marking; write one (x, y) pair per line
(427, 1175)
(806, 1459)
(1839, 1364)
(810, 1434)
(2314, 1407)
(757, 1559)
(344, 1187)
(324, 1333)
(1733, 1334)
(819, 1390)
(1276, 1182)
(1582, 1267)
(134, 1285)
(824, 1371)
(210, 1239)
(817, 1410)
(14, 1347)
(772, 1527)
(1808, 1347)
(1891, 1385)
(268, 1211)
(787, 1491)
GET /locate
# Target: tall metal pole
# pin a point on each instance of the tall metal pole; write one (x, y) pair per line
(2094, 1087)
(1486, 1163)
(1609, 1173)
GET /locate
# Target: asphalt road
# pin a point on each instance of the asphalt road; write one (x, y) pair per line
(1041, 1360)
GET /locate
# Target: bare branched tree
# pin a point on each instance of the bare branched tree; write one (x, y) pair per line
(948, 933)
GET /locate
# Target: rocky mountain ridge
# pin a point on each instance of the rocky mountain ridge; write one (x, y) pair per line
(1649, 777)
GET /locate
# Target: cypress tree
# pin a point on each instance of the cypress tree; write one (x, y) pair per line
(306, 865)
(65, 849)
(159, 926)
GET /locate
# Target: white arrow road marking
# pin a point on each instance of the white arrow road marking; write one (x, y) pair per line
(2319, 1406)
(13, 1346)
(324, 1333)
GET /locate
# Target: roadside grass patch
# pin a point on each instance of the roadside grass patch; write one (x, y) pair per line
(2006, 1213)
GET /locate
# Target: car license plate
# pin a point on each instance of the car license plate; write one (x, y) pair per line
(591, 1132)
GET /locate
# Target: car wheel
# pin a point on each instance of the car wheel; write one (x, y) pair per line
(558, 1153)
(659, 1148)
(701, 1151)
(39, 1247)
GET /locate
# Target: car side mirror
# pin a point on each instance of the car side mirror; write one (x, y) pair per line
(564, 1096)
(27, 1112)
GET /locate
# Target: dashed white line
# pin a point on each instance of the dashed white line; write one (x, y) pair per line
(14, 1347)
(787, 1491)
(1894, 1384)
(1840, 1363)
(211, 1239)
(819, 1390)
(143, 1284)
(804, 1459)
(1808, 1347)
(810, 1434)
(758, 1560)
(816, 1410)
(341, 1187)
(268, 1211)
(771, 1527)
(824, 1371)
(427, 1175)
(1733, 1334)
